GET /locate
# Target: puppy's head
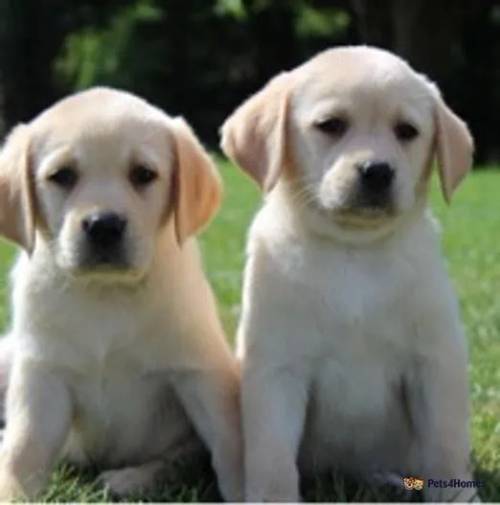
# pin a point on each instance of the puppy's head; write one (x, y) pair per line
(352, 135)
(97, 176)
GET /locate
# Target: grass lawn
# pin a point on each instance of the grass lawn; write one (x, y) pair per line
(471, 242)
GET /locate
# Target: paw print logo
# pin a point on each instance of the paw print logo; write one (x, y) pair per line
(413, 483)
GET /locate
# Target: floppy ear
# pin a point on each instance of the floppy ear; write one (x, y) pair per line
(254, 136)
(17, 206)
(454, 148)
(197, 187)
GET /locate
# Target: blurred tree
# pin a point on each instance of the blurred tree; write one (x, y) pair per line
(425, 32)
(477, 80)
(197, 58)
(105, 53)
(30, 37)
(200, 58)
(441, 39)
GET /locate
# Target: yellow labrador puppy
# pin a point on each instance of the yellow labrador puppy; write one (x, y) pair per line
(118, 353)
(352, 347)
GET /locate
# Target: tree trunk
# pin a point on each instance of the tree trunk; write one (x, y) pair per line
(424, 32)
(375, 21)
(29, 42)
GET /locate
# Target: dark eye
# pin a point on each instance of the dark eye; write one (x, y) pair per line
(65, 177)
(141, 176)
(405, 132)
(334, 126)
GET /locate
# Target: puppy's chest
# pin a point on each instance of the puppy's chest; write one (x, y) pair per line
(360, 338)
(85, 333)
(356, 303)
(115, 409)
(103, 391)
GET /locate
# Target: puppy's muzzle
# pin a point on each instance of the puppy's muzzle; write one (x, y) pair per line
(376, 179)
(104, 232)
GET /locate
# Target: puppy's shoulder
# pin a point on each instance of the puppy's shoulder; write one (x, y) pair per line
(274, 224)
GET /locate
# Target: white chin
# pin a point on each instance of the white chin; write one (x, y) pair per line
(364, 219)
(351, 229)
(108, 275)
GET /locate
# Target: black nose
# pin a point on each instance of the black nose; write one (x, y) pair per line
(376, 175)
(104, 229)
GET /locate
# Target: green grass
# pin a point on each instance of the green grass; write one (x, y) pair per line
(471, 243)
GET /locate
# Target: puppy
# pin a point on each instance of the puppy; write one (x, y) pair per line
(119, 358)
(352, 348)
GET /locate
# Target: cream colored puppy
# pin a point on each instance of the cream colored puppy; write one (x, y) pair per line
(119, 356)
(353, 352)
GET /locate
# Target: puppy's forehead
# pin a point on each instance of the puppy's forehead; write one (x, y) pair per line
(360, 73)
(102, 116)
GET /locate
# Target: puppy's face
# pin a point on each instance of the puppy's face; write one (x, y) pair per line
(104, 173)
(361, 139)
(103, 186)
(351, 136)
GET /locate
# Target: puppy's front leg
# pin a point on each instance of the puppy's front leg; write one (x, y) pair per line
(273, 406)
(439, 407)
(38, 420)
(211, 399)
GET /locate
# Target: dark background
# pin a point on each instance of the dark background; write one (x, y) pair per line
(200, 58)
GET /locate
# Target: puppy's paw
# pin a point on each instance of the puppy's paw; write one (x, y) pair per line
(275, 482)
(129, 480)
(271, 497)
(274, 493)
